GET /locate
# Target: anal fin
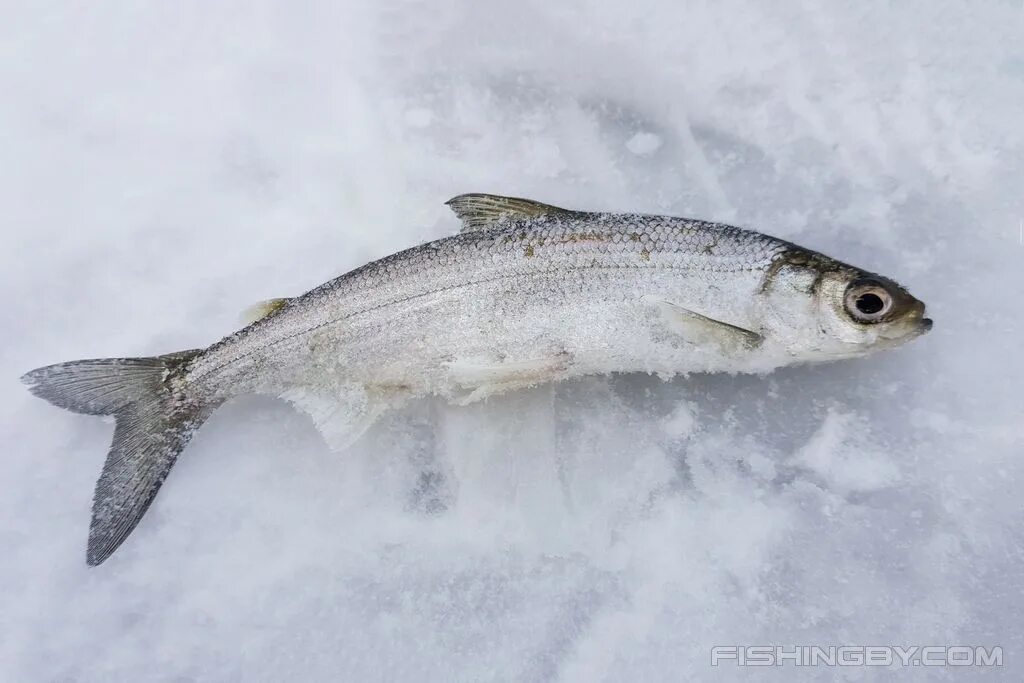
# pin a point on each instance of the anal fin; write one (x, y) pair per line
(342, 416)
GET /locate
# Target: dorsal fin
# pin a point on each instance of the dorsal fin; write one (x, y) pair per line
(261, 310)
(482, 211)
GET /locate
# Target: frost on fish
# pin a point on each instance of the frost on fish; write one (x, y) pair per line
(527, 293)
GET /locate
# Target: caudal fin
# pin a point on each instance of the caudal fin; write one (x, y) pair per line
(155, 420)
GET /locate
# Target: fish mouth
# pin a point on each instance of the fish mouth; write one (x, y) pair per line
(902, 333)
(924, 325)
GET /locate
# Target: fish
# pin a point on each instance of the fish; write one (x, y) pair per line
(525, 293)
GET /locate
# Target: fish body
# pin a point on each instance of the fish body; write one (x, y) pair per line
(525, 293)
(590, 291)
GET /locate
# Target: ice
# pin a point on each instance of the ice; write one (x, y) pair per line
(166, 166)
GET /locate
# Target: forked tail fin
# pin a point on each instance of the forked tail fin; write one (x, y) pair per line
(155, 420)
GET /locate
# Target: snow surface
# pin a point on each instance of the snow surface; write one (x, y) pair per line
(164, 165)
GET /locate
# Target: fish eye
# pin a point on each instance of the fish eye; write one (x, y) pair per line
(867, 301)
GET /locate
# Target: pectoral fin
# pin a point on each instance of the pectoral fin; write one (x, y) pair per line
(482, 211)
(702, 330)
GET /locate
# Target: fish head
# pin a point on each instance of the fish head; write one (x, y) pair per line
(821, 309)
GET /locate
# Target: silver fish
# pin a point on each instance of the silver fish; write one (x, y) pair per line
(525, 293)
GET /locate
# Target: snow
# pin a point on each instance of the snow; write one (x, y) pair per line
(643, 144)
(168, 165)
